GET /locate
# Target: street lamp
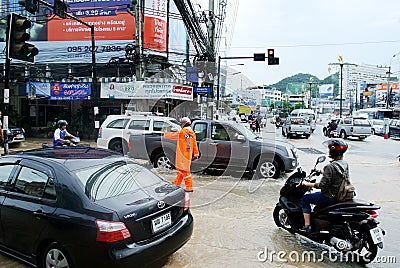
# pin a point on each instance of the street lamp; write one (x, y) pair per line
(388, 82)
(310, 82)
(219, 74)
(341, 64)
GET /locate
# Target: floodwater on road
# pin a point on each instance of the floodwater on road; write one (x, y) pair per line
(233, 224)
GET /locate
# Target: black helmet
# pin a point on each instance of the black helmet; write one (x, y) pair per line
(337, 147)
(62, 123)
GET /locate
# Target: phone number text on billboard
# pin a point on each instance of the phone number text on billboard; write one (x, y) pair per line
(87, 49)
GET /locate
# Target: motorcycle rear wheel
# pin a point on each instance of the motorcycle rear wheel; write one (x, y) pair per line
(368, 250)
(281, 218)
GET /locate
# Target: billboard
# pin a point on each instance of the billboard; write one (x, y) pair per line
(68, 40)
(326, 90)
(59, 91)
(382, 90)
(143, 90)
(295, 88)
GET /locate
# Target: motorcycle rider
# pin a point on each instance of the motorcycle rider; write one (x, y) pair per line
(329, 184)
(61, 136)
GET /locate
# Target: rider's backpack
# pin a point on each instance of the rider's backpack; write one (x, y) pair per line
(347, 191)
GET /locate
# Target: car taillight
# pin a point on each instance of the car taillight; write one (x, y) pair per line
(129, 146)
(100, 130)
(108, 231)
(351, 129)
(186, 204)
(373, 213)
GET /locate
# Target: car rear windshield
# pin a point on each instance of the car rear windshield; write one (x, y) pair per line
(115, 178)
(361, 122)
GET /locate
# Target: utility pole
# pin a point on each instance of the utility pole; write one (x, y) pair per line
(138, 40)
(388, 87)
(211, 38)
(211, 25)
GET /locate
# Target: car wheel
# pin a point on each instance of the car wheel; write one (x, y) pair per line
(118, 146)
(373, 131)
(343, 134)
(55, 256)
(268, 169)
(162, 161)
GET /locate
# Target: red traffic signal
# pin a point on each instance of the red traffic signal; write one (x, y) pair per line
(272, 60)
(271, 53)
(17, 35)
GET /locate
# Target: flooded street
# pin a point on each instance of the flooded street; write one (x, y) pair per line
(233, 217)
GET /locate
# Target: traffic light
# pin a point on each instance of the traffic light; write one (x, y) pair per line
(17, 35)
(272, 60)
(31, 6)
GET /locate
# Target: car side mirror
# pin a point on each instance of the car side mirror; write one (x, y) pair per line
(240, 138)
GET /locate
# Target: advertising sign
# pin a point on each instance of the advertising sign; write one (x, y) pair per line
(68, 40)
(142, 90)
(382, 90)
(326, 90)
(59, 91)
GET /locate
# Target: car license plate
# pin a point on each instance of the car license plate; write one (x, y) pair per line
(161, 222)
(377, 235)
(19, 136)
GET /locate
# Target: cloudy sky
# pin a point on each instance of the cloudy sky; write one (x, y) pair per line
(307, 35)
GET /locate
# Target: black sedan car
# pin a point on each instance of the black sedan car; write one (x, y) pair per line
(88, 207)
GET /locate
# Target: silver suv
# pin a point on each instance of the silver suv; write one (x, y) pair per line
(115, 131)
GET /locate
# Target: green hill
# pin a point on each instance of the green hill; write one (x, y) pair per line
(294, 83)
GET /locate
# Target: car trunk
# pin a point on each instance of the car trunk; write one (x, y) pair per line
(148, 211)
(361, 127)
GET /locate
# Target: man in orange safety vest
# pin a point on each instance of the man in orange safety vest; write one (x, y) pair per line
(186, 151)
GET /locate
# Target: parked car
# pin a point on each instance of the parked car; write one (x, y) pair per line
(394, 128)
(115, 130)
(88, 207)
(15, 135)
(377, 126)
(354, 127)
(223, 145)
(296, 126)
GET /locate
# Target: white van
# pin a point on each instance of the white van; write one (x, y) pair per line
(306, 113)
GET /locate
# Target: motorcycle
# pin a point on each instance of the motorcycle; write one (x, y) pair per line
(279, 123)
(333, 134)
(350, 227)
(73, 142)
(253, 125)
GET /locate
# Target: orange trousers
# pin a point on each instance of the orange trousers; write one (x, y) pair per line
(187, 177)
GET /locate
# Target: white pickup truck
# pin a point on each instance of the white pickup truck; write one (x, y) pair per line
(296, 126)
(354, 127)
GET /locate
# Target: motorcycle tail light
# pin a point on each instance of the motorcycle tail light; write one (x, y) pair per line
(373, 213)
